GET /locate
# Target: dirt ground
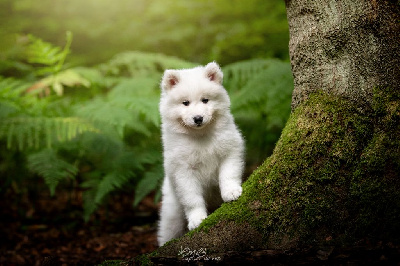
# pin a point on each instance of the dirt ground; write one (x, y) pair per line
(44, 230)
(37, 229)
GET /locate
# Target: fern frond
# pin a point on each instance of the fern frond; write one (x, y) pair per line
(92, 75)
(238, 74)
(112, 175)
(36, 132)
(11, 88)
(274, 80)
(51, 167)
(41, 52)
(104, 114)
(109, 183)
(132, 103)
(149, 182)
(140, 95)
(58, 81)
(49, 56)
(263, 87)
(89, 206)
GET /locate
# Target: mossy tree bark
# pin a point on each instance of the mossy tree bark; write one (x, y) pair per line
(334, 176)
(345, 48)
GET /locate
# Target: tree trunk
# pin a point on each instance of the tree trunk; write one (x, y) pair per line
(345, 48)
(333, 179)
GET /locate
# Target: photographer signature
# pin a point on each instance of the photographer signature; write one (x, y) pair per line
(188, 254)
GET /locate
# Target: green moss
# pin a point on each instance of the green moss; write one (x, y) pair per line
(333, 177)
(145, 259)
(325, 183)
(330, 170)
(375, 185)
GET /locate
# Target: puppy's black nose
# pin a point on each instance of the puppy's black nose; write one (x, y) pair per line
(198, 120)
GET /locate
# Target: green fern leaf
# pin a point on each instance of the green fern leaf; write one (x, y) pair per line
(110, 175)
(109, 183)
(266, 89)
(49, 56)
(150, 181)
(41, 52)
(92, 75)
(89, 205)
(105, 113)
(57, 81)
(11, 88)
(51, 167)
(238, 74)
(10, 91)
(8, 108)
(36, 132)
(140, 95)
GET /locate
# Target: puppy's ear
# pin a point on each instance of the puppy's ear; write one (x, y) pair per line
(214, 73)
(170, 79)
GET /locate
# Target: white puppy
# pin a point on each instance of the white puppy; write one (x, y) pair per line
(203, 149)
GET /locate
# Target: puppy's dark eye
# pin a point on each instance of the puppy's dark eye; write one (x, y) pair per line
(186, 103)
(204, 100)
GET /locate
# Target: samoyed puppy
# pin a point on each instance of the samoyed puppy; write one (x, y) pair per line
(203, 149)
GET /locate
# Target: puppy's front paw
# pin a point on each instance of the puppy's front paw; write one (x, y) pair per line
(195, 219)
(231, 193)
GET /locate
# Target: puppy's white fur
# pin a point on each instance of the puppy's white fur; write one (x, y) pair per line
(203, 149)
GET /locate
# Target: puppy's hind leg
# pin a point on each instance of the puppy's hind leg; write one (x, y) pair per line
(172, 219)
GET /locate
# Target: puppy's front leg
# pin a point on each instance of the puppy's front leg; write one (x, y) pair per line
(190, 195)
(230, 178)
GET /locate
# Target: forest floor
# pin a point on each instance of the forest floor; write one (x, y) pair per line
(37, 229)
(44, 230)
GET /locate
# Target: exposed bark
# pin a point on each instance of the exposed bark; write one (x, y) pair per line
(333, 178)
(346, 48)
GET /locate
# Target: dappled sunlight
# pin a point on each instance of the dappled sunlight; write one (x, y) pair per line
(198, 31)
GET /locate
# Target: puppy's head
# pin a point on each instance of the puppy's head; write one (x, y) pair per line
(192, 99)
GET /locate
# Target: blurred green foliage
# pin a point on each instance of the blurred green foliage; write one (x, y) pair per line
(98, 127)
(198, 31)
